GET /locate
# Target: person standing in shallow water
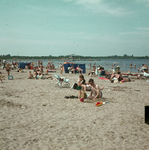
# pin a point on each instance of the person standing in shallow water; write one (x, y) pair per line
(130, 65)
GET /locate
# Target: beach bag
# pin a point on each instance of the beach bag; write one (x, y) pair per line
(116, 81)
(83, 94)
(75, 86)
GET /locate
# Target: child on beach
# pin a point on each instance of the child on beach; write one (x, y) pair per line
(30, 75)
(95, 90)
(79, 82)
(2, 78)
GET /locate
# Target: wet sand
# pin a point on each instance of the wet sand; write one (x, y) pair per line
(36, 116)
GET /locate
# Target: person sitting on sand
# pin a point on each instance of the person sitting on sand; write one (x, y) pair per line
(93, 71)
(19, 69)
(8, 68)
(95, 90)
(30, 75)
(39, 76)
(46, 72)
(90, 74)
(2, 78)
(144, 74)
(79, 69)
(72, 69)
(35, 74)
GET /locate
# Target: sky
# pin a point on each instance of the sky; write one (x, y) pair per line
(80, 27)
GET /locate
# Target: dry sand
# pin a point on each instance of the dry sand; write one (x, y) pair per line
(34, 115)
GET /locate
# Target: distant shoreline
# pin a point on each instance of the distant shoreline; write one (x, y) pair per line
(77, 58)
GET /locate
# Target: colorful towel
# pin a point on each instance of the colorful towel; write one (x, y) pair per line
(102, 78)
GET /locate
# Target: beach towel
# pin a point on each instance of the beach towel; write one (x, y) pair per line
(102, 78)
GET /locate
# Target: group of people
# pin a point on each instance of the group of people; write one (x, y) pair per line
(97, 71)
(117, 77)
(73, 70)
(82, 86)
(39, 73)
(50, 65)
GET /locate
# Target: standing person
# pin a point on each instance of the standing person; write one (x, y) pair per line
(61, 67)
(90, 65)
(146, 68)
(130, 65)
(4, 63)
(49, 61)
(95, 90)
(138, 69)
(41, 67)
(79, 82)
(8, 69)
(38, 63)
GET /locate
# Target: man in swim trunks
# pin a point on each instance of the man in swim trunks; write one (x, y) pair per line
(8, 68)
(95, 90)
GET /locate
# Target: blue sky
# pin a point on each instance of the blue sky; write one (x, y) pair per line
(81, 27)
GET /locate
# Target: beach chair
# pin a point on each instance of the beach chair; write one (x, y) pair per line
(62, 82)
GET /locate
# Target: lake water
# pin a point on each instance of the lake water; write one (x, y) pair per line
(106, 63)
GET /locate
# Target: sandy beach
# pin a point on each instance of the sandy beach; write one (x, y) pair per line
(36, 116)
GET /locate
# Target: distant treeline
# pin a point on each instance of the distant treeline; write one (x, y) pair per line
(74, 57)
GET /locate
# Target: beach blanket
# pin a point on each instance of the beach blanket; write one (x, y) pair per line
(102, 78)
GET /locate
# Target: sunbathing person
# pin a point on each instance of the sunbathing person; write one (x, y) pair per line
(95, 90)
(122, 79)
(30, 75)
(45, 77)
(79, 69)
